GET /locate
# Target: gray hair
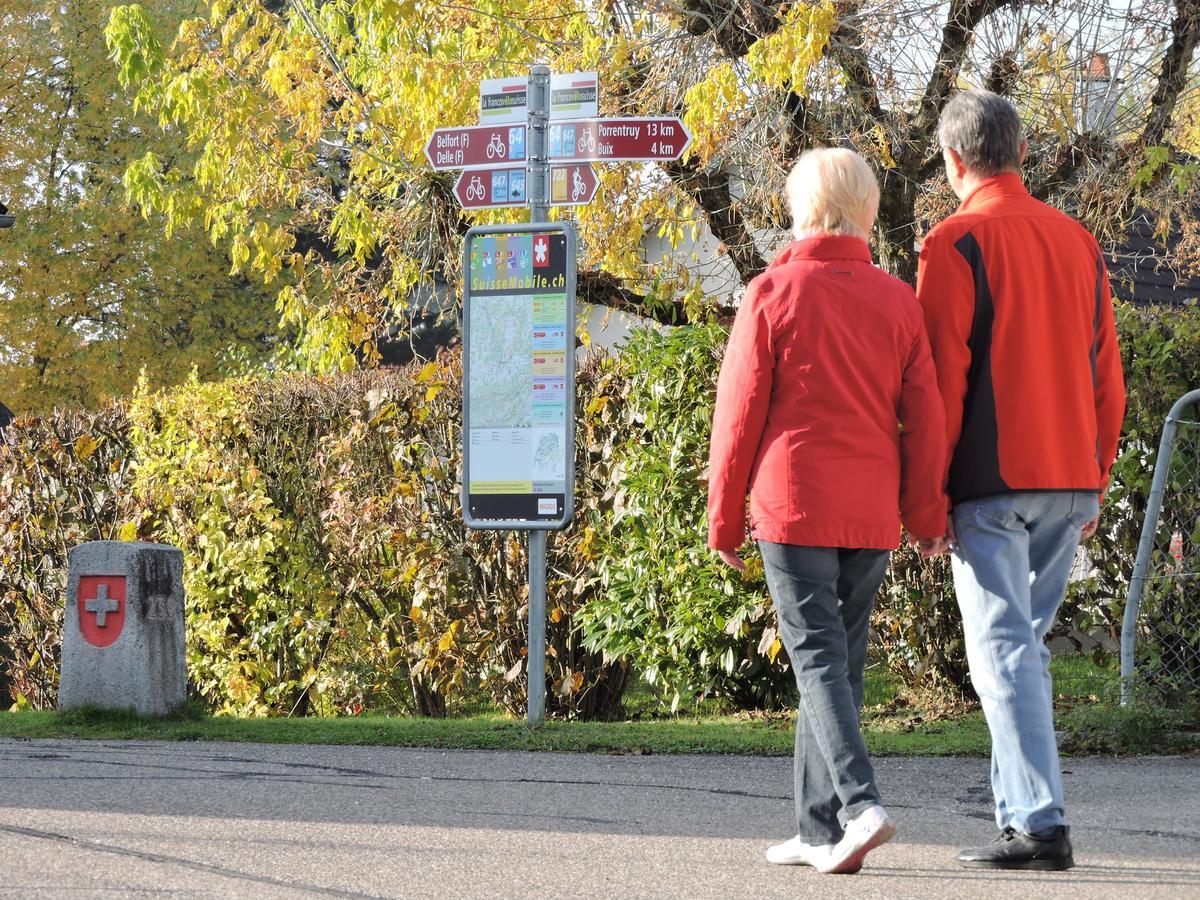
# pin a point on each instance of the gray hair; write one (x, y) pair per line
(984, 129)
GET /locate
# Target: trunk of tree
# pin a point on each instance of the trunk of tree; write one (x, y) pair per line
(427, 701)
(896, 230)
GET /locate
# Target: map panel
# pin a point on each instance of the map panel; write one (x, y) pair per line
(501, 348)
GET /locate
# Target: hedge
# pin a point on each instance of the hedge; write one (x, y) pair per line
(327, 570)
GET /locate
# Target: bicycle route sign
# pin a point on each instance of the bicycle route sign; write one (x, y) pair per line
(475, 147)
(659, 139)
(573, 185)
(492, 157)
(484, 188)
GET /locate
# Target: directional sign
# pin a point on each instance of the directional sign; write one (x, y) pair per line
(663, 138)
(477, 147)
(481, 188)
(572, 185)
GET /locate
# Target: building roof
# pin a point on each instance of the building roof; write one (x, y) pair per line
(1138, 267)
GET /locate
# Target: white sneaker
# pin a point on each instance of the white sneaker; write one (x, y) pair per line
(864, 833)
(797, 853)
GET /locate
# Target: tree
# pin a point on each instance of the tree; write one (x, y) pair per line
(309, 117)
(90, 292)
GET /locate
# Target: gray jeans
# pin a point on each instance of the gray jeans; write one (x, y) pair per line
(823, 597)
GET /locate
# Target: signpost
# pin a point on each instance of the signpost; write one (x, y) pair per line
(534, 148)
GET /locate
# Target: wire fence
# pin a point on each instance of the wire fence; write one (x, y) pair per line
(1160, 640)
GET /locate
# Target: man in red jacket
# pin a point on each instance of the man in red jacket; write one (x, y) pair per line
(1020, 321)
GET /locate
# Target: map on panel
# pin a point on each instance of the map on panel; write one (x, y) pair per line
(504, 330)
(549, 459)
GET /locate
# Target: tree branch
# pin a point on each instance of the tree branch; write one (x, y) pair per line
(734, 26)
(961, 21)
(846, 49)
(1185, 34)
(603, 289)
(711, 192)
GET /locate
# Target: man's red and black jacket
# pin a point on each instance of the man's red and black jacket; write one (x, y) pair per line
(1020, 321)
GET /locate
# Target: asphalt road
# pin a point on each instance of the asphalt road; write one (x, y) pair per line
(126, 819)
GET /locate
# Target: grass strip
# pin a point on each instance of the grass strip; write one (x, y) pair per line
(746, 735)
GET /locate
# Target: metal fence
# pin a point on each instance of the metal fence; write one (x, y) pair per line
(1160, 637)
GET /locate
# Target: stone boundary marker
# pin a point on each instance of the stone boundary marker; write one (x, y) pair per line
(123, 630)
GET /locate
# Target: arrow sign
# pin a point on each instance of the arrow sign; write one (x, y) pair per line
(663, 138)
(483, 188)
(572, 185)
(475, 147)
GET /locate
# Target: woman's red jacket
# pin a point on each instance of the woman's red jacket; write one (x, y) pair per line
(828, 413)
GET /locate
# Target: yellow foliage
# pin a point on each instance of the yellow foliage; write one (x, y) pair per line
(783, 59)
(710, 104)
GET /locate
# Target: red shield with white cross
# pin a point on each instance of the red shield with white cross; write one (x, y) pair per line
(101, 608)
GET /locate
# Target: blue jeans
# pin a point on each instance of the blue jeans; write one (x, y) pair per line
(1011, 566)
(823, 598)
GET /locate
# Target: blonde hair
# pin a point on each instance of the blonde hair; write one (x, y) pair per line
(832, 191)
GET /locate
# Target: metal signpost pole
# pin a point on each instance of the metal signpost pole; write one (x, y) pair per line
(508, 266)
(539, 211)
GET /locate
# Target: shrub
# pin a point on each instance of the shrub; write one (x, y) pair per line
(919, 628)
(327, 569)
(1160, 350)
(692, 626)
(63, 481)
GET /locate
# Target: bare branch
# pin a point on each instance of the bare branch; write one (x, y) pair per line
(846, 44)
(961, 21)
(711, 192)
(734, 26)
(603, 289)
(1185, 34)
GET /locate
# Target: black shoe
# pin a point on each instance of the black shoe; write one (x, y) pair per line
(1048, 850)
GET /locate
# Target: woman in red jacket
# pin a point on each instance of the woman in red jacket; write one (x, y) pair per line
(828, 416)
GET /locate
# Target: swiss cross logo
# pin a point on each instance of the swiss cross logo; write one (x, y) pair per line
(541, 251)
(101, 608)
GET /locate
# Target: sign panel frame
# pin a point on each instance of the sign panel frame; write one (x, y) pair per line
(537, 522)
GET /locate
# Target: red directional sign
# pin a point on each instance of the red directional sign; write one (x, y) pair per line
(482, 188)
(476, 147)
(663, 138)
(572, 185)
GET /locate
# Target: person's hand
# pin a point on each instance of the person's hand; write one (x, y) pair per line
(932, 547)
(730, 558)
(1090, 528)
(929, 547)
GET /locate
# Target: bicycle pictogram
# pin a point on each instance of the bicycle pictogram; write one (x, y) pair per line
(475, 190)
(578, 186)
(587, 141)
(495, 147)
